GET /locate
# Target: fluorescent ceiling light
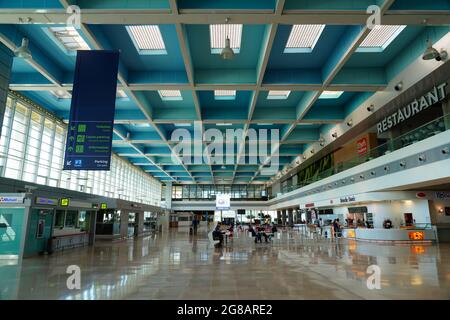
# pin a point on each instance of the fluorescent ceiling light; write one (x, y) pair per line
(147, 39)
(61, 94)
(264, 124)
(69, 38)
(303, 38)
(182, 124)
(170, 95)
(219, 32)
(379, 38)
(331, 94)
(278, 94)
(223, 124)
(224, 94)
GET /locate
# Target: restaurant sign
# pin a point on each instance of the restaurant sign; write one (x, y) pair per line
(347, 199)
(419, 104)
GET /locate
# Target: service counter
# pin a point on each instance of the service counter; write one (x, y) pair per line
(409, 235)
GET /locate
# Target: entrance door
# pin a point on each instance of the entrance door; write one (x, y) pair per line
(131, 224)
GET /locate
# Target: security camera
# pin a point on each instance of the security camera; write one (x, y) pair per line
(350, 122)
(422, 157)
(334, 135)
(371, 108)
(386, 168)
(446, 150)
(372, 173)
(361, 176)
(399, 86)
(402, 163)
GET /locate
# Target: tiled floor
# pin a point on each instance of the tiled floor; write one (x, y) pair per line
(175, 265)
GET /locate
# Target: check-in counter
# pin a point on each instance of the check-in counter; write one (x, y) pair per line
(69, 241)
(412, 235)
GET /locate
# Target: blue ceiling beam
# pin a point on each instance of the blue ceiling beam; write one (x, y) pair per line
(300, 134)
(31, 4)
(123, 5)
(305, 103)
(27, 78)
(225, 76)
(157, 77)
(157, 150)
(292, 76)
(342, 47)
(361, 76)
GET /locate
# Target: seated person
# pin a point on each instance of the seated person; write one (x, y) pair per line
(255, 233)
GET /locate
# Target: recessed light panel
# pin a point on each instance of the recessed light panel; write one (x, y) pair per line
(218, 34)
(303, 38)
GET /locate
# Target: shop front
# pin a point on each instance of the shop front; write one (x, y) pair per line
(379, 216)
(121, 219)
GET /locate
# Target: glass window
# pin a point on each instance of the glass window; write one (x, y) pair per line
(59, 218)
(71, 219)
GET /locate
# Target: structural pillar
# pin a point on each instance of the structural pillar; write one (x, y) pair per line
(446, 111)
(284, 217)
(278, 216)
(290, 217)
(6, 60)
(168, 195)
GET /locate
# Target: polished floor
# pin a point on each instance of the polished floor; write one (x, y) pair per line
(175, 265)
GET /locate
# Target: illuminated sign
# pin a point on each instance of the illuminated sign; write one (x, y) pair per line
(103, 206)
(347, 199)
(421, 195)
(7, 199)
(351, 234)
(416, 235)
(361, 146)
(47, 201)
(223, 202)
(64, 202)
(419, 104)
(309, 205)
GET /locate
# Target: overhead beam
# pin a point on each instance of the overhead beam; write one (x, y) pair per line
(337, 17)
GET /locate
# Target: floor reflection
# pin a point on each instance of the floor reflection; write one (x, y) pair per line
(175, 265)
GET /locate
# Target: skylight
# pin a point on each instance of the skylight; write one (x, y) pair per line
(219, 32)
(278, 94)
(170, 95)
(379, 38)
(224, 94)
(331, 94)
(147, 39)
(69, 38)
(303, 38)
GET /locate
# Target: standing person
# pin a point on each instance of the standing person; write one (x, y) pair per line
(337, 228)
(195, 223)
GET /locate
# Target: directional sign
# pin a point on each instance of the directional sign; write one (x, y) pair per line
(89, 138)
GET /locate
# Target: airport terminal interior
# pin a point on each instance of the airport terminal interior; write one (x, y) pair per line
(228, 149)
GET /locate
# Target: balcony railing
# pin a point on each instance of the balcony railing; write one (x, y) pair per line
(423, 132)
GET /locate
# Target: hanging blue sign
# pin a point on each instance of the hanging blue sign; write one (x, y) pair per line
(89, 135)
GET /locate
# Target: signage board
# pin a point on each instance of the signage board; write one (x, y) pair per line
(11, 199)
(46, 201)
(362, 146)
(223, 201)
(64, 202)
(89, 136)
(443, 195)
(309, 205)
(347, 199)
(103, 206)
(436, 94)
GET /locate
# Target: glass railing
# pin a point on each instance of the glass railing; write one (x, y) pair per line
(423, 132)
